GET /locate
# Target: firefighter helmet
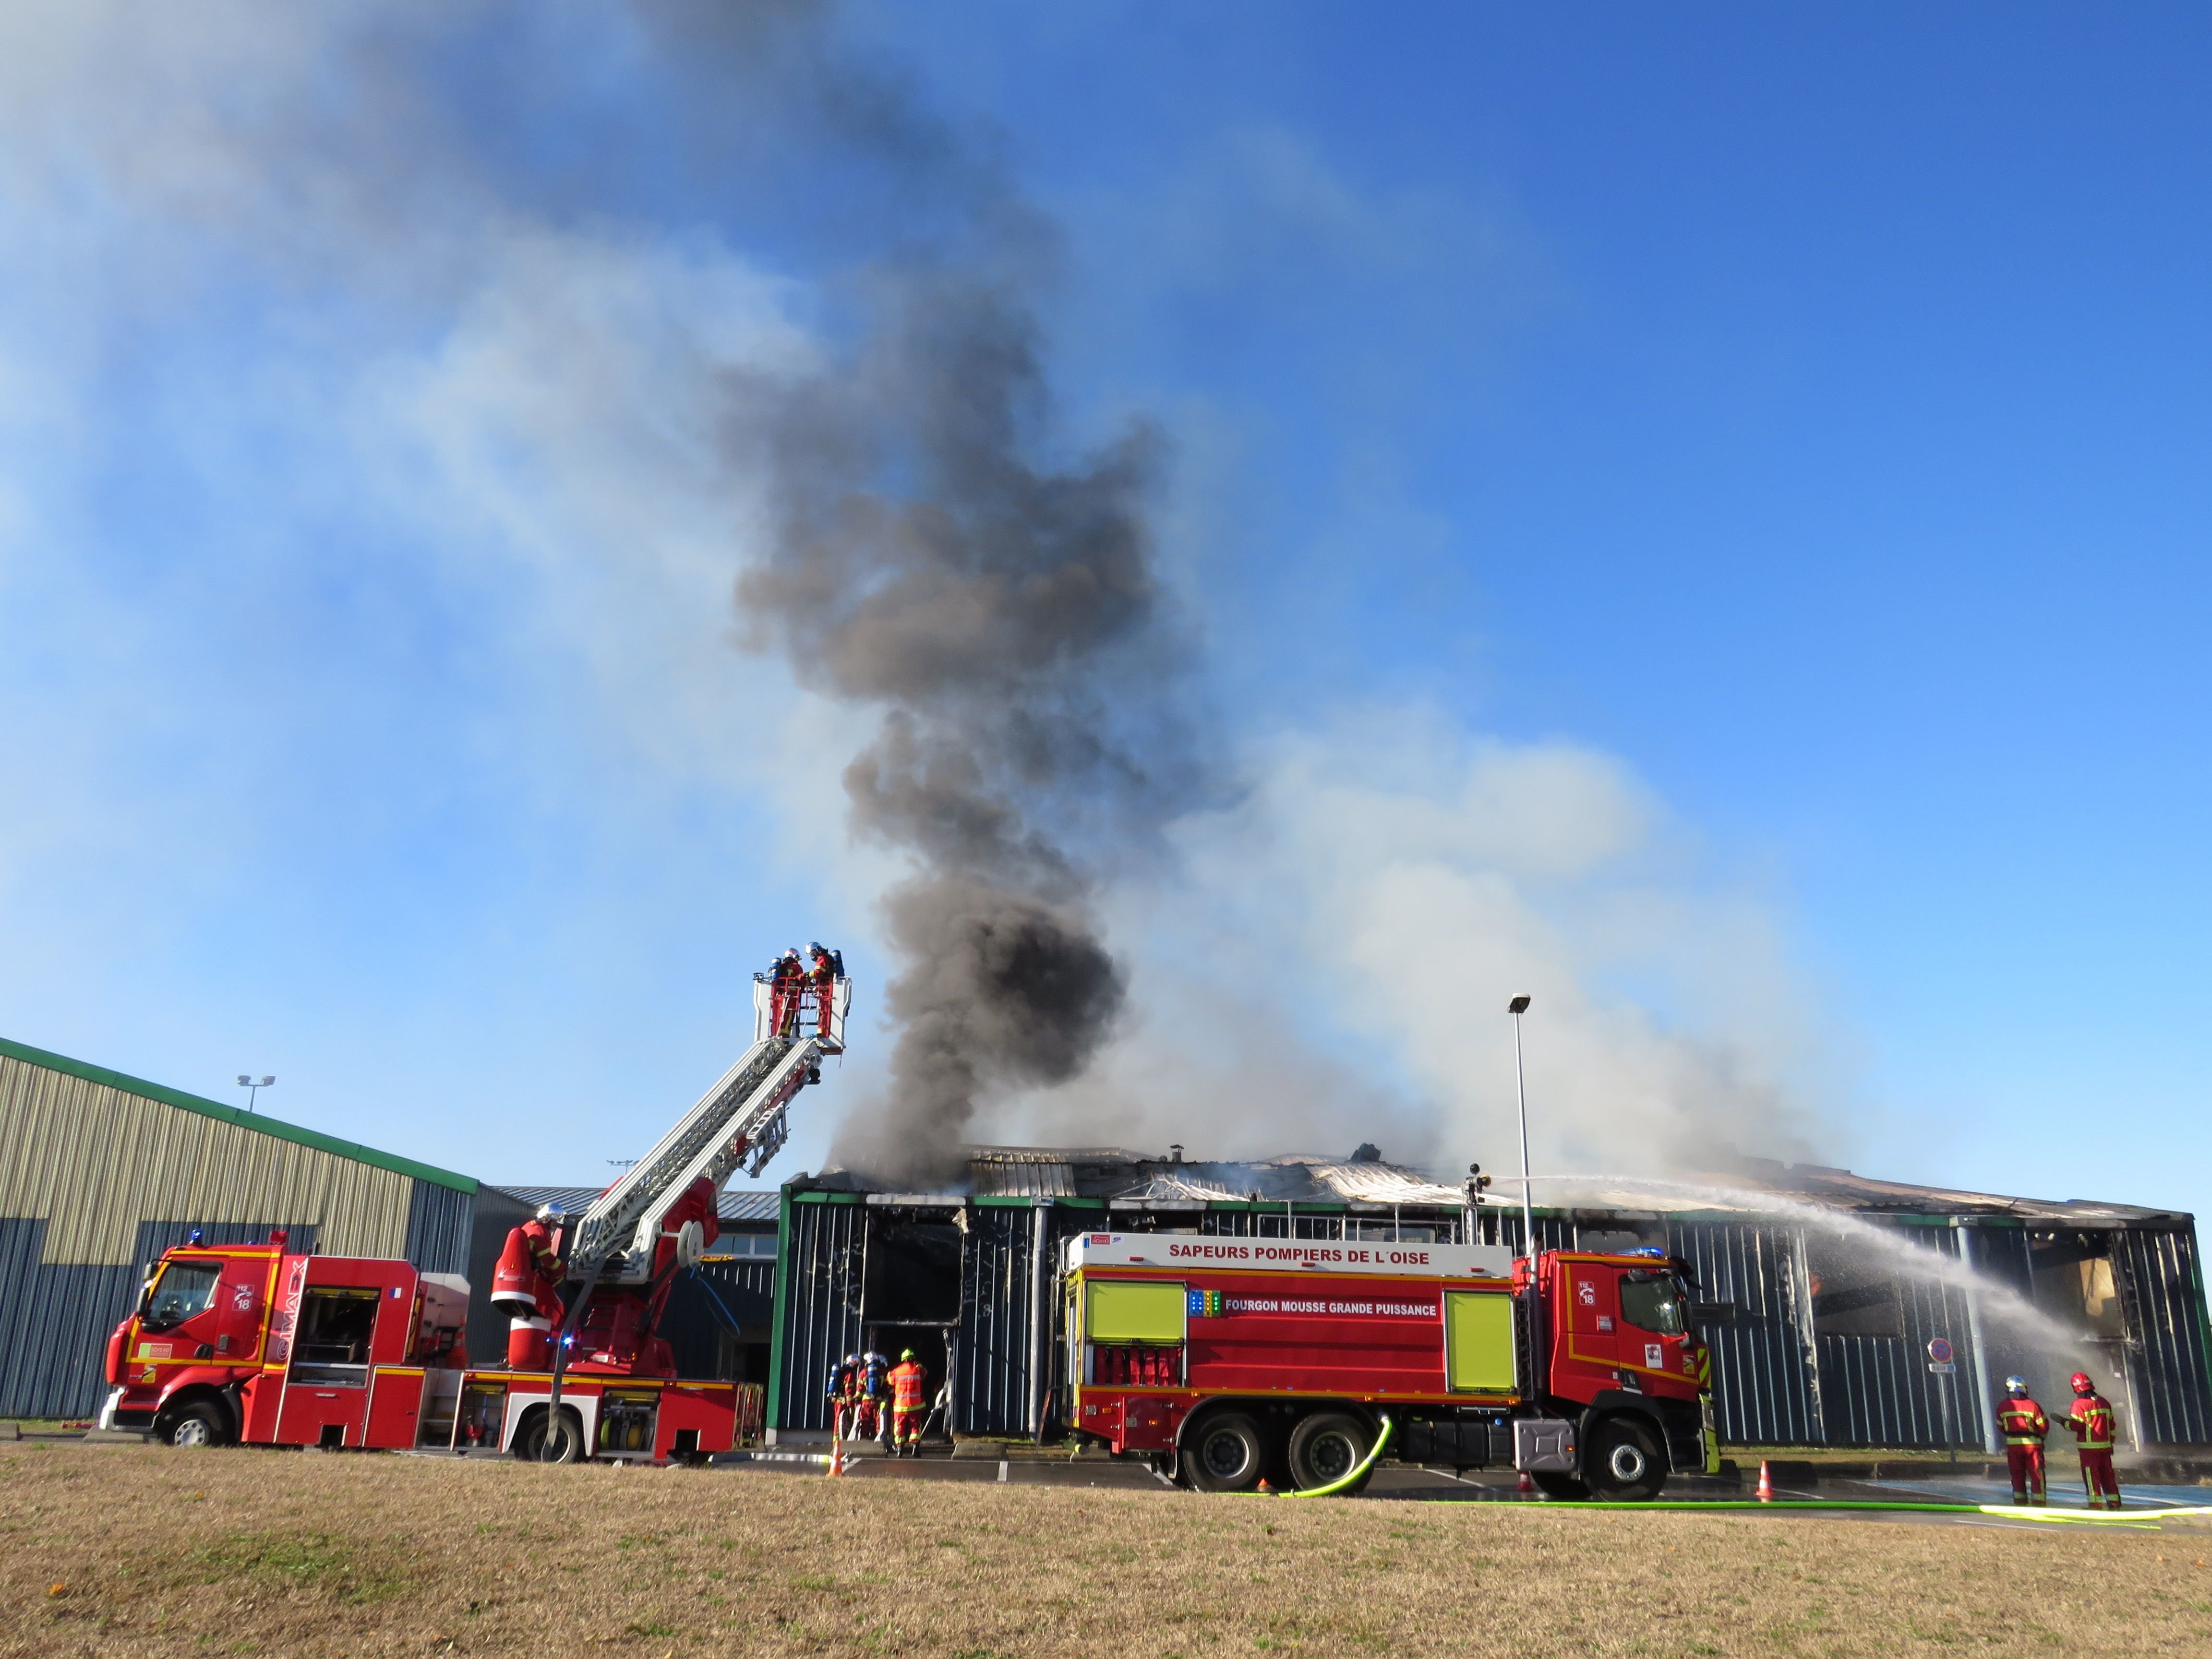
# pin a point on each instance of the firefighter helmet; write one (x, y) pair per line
(906, 1353)
(2080, 1383)
(2017, 1386)
(551, 1212)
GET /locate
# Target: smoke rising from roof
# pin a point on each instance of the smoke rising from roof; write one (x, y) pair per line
(1006, 613)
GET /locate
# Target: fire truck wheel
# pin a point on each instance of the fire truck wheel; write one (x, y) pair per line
(200, 1424)
(1623, 1463)
(1327, 1446)
(567, 1446)
(1225, 1454)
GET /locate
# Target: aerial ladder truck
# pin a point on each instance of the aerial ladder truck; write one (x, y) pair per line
(259, 1345)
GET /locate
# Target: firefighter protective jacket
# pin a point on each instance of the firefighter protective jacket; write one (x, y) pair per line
(2091, 1419)
(2022, 1423)
(907, 1380)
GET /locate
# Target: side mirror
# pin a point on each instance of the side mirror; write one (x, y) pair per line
(1712, 1313)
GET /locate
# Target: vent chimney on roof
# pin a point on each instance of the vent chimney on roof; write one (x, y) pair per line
(1174, 1152)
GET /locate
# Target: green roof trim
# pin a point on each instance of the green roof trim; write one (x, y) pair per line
(223, 1114)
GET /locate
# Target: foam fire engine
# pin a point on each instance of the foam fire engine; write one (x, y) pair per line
(1232, 1360)
(260, 1345)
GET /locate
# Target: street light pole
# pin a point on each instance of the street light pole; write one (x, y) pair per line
(1517, 1007)
(1539, 1365)
(253, 1089)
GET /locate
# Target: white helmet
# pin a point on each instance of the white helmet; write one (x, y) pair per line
(551, 1212)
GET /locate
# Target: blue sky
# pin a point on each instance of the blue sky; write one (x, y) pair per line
(1708, 508)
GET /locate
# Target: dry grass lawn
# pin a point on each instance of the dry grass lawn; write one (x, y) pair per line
(125, 1551)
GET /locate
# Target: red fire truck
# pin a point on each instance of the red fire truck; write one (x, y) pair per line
(1232, 1360)
(255, 1344)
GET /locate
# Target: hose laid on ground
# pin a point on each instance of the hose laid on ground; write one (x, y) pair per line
(1365, 1464)
(2021, 1512)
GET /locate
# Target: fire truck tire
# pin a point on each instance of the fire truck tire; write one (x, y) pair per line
(202, 1423)
(1623, 1463)
(1225, 1453)
(1327, 1446)
(569, 1439)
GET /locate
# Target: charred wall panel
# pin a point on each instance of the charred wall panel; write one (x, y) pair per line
(1876, 1388)
(991, 1396)
(2162, 1293)
(1763, 1386)
(820, 1307)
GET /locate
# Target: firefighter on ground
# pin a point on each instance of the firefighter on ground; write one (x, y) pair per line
(2023, 1425)
(527, 1283)
(908, 1379)
(2091, 1419)
(875, 1382)
(829, 968)
(844, 1393)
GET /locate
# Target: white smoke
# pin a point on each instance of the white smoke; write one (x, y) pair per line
(1334, 965)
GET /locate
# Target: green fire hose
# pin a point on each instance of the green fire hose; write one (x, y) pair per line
(1365, 1464)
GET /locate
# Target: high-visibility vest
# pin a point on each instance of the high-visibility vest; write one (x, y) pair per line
(2023, 1423)
(2091, 1419)
(907, 1380)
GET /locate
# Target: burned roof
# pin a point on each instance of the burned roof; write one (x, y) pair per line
(1131, 1178)
(1115, 1173)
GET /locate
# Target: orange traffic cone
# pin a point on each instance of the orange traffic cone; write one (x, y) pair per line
(1766, 1483)
(1526, 1487)
(836, 1456)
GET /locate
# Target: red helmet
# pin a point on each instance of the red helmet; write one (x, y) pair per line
(2081, 1382)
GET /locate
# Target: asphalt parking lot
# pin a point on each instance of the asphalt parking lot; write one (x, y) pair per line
(1402, 1483)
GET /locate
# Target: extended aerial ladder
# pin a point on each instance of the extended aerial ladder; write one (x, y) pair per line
(651, 1222)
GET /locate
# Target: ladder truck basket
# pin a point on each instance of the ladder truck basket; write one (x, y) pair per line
(803, 1012)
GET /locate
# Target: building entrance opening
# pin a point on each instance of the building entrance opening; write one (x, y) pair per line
(928, 1343)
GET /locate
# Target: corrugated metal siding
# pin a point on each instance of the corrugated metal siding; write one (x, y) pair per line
(56, 1321)
(991, 1392)
(438, 1223)
(719, 1300)
(1878, 1391)
(1775, 1382)
(820, 1307)
(1762, 1383)
(99, 1181)
(94, 1160)
(2162, 1297)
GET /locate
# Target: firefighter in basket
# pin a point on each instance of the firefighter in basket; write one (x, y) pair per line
(787, 986)
(2023, 1425)
(908, 1379)
(2091, 1419)
(526, 1284)
(828, 968)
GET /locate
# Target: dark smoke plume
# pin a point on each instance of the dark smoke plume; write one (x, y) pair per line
(1006, 613)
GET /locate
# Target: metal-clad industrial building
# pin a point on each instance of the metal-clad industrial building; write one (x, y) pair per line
(1828, 1286)
(99, 1173)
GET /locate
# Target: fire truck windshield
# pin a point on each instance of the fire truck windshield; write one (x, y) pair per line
(1653, 1302)
(185, 1289)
